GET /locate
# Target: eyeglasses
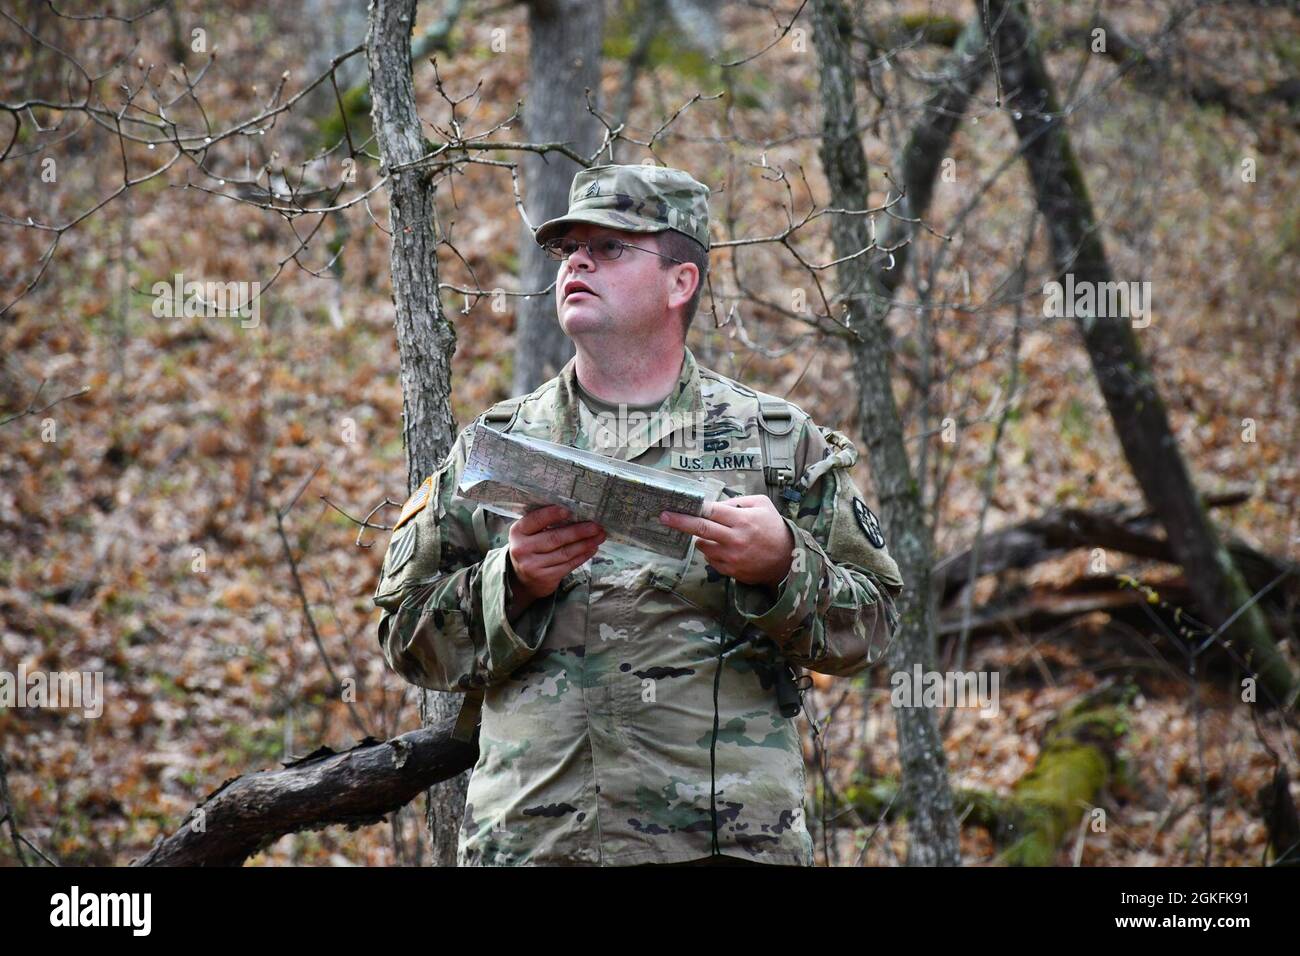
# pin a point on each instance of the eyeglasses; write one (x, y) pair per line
(603, 248)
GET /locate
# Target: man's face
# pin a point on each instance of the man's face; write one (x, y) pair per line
(629, 295)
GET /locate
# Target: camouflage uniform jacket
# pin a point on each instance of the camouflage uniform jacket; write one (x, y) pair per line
(598, 701)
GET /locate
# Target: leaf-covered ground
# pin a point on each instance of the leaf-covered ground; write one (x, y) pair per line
(138, 533)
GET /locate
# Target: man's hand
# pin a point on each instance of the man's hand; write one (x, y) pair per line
(543, 550)
(744, 538)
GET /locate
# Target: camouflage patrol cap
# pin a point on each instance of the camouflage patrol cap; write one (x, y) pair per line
(635, 198)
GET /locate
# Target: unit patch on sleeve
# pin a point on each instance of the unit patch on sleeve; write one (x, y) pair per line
(415, 504)
(869, 522)
(400, 549)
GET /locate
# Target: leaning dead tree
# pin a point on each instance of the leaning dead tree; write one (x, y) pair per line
(1123, 375)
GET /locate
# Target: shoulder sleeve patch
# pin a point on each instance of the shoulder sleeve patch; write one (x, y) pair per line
(416, 503)
(869, 523)
(400, 549)
(855, 535)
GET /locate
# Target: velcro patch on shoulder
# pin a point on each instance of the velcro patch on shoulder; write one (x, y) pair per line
(400, 549)
(855, 535)
(416, 503)
(869, 523)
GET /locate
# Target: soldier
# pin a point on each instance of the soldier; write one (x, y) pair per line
(637, 708)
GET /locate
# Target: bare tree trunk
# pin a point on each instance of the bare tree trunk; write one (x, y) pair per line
(564, 59)
(425, 339)
(1123, 376)
(933, 826)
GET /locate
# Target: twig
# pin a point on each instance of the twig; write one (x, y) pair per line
(31, 408)
(280, 515)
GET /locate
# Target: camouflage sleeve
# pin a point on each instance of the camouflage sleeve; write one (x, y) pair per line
(834, 613)
(444, 593)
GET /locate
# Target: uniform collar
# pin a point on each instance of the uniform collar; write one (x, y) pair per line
(683, 403)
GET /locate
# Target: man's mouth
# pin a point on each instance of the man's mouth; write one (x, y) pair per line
(575, 286)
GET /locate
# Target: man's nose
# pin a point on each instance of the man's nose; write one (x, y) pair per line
(582, 257)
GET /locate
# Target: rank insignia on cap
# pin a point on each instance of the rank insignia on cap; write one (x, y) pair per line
(415, 504)
(400, 549)
(869, 522)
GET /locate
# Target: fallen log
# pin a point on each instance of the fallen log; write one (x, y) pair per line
(878, 799)
(353, 788)
(1116, 528)
(1077, 761)
(1041, 609)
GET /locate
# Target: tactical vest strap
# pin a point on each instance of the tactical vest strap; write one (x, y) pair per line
(502, 415)
(776, 428)
(469, 715)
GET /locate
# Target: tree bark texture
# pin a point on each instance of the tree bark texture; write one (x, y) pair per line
(932, 825)
(425, 339)
(564, 57)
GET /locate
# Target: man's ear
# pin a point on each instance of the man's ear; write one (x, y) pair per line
(683, 287)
